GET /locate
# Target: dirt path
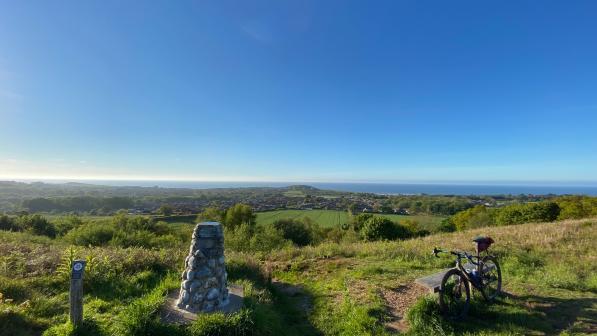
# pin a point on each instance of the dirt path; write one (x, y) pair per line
(397, 301)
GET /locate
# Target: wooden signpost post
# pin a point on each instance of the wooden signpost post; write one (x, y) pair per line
(76, 292)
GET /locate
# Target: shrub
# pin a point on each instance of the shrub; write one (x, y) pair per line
(542, 212)
(252, 239)
(141, 238)
(477, 216)
(574, 207)
(8, 224)
(65, 224)
(359, 220)
(90, 234)
(525, 213)
(379, 228)
(296, 231)
(446, 226)
(36, 224)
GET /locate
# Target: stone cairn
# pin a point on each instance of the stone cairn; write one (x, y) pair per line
(204, 280)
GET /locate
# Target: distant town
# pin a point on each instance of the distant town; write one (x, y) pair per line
(92, 199)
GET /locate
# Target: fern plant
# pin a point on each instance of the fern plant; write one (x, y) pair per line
(66, 262)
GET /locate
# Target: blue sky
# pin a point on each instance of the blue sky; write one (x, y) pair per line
(386, 91)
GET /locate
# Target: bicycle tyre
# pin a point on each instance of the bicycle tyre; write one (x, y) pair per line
(489, 291)
(454, 304)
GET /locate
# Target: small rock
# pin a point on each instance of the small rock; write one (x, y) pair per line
(213, 294)
(194, 285)
(202, 272)
(198, 297)
(184, 296)
(208, 307)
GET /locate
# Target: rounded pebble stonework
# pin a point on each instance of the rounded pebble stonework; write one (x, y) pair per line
(204, 280)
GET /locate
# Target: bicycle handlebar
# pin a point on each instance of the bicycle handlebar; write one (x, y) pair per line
(459, 254)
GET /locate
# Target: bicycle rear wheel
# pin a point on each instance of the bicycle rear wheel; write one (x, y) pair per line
(454, 295)
(491, 278)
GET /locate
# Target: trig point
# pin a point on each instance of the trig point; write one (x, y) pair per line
(204, 280)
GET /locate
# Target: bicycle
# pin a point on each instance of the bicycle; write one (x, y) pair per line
(484, 274)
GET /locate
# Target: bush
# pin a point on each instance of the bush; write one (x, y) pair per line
(475, 217)
(8, 224)
(446, 226)
(359, 220)
(65, 224)
(36, 224)
(246, 238)
(525, 213)
(296, 231)
(380, 228)
(90, 235)
(575, 207)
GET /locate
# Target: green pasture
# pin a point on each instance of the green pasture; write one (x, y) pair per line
(330, 218)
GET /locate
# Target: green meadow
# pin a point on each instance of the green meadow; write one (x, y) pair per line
(332, 218)
(346, 288)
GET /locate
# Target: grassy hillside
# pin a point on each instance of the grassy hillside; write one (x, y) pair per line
(330, 218)
(550, 278)
(549, 271)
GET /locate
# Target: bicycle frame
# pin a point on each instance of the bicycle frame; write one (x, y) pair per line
(460, 267)
(467, 274)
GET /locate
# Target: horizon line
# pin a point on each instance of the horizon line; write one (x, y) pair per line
(54, 179)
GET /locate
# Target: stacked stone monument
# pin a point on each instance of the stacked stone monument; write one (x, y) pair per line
(204, 279)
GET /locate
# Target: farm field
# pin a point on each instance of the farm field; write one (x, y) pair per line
(330, 218)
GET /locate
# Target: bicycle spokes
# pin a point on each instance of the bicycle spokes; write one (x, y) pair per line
(455, 296)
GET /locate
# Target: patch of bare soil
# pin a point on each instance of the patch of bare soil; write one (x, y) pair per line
(398, 300)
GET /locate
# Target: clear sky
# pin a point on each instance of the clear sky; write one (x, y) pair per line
(299, 90)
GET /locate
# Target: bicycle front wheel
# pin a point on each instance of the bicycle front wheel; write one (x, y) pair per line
(491, 278)
(454, 295)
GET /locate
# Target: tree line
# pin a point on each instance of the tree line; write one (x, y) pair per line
(559, 208)
(77, 204)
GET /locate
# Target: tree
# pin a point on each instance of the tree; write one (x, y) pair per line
(239, 214)
(166, 210)
(211, 214)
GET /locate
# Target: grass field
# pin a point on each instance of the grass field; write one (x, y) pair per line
(350, 288)
(330, 218)
(549, 272)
